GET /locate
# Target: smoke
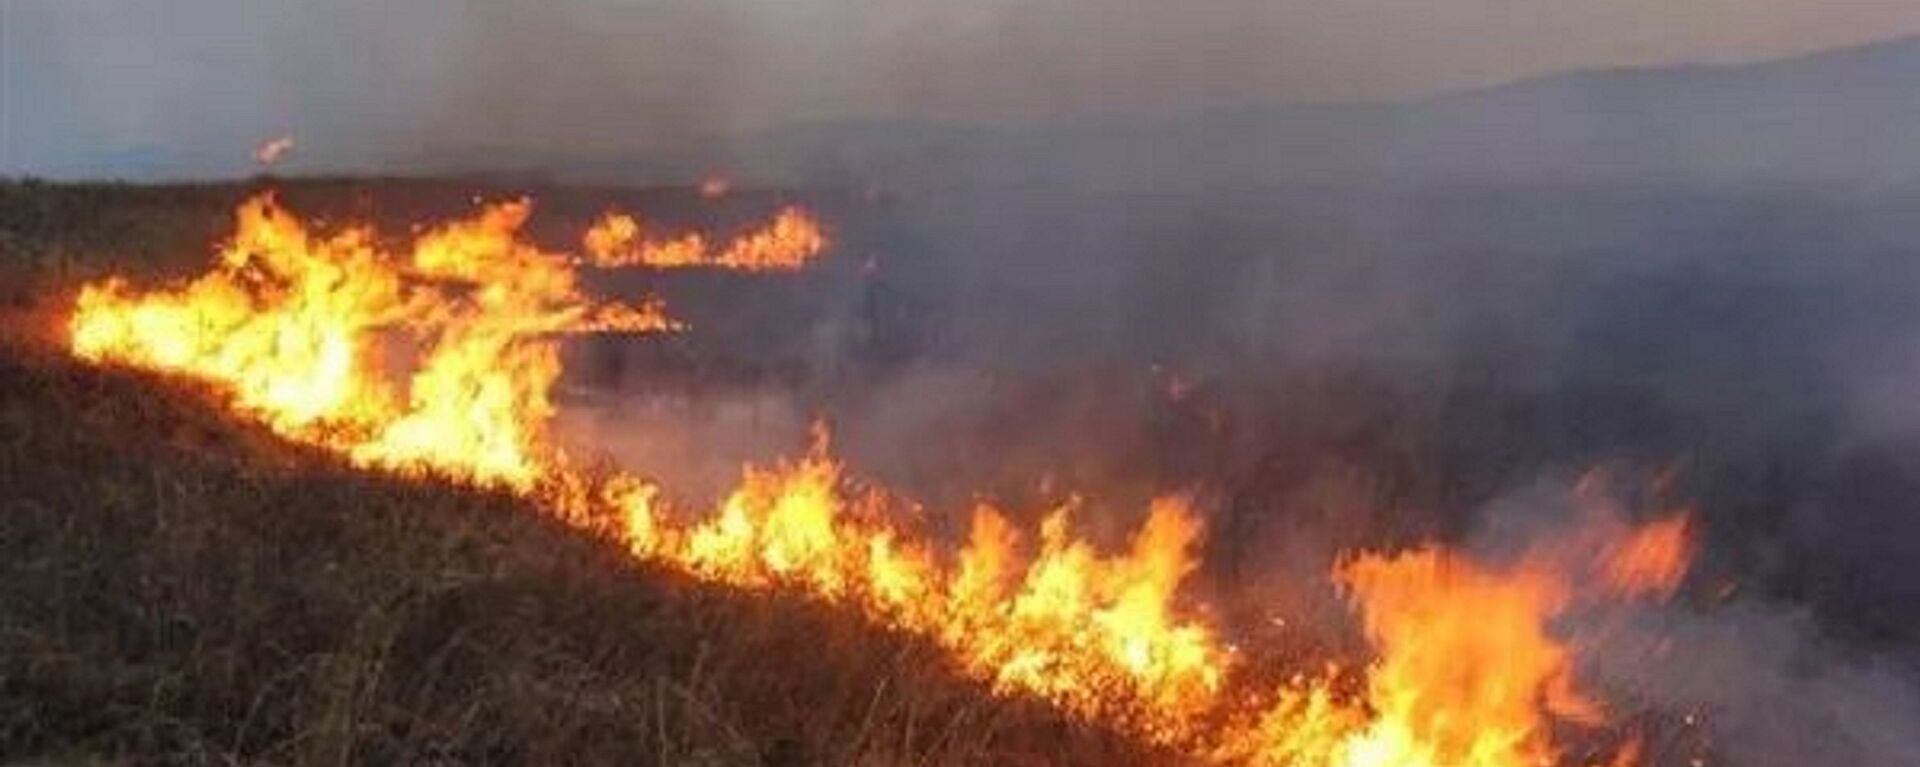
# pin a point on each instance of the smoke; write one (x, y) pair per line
(1416, 352)
(1772, 689)
(1755, 681)
(1347, 364)
(132, 89)
(694, 443)
(1338, 326)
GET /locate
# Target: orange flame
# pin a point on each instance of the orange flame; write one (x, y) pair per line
(1468, 673)
(1095, 634)
(789, 242)
(291, 321)
(1467, 666)
(1653, 560)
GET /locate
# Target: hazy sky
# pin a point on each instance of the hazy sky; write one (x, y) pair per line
(92, 83)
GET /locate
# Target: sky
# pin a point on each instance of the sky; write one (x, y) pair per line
(107, 86)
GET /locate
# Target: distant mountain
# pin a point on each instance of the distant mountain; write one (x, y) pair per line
(1848, 115)
(1851, 115)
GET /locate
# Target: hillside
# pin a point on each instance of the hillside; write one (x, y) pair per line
(185, 589)
(180, 589)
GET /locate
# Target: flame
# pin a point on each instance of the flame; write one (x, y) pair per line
(788, 242)
(1467, 671)
(1467, 668)
(271, 151)
(292, 322)
(1653, 560)
(1093, 633)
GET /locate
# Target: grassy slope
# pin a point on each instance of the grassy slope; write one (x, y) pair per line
(179, 588)
(175, 587)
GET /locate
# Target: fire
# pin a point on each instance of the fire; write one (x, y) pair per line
(1467, 668)
(1468, 672)
(273, 150)
(789, 242)
(1653, 560)
(292, 323)
(296, 325)
(1095, 634)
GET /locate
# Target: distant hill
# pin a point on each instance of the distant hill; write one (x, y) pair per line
(1841, 116)
(1847, 115)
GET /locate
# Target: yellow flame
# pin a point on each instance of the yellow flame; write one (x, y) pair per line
(1467, 667)
(293, 324)
(789, 242)
(1468, 673)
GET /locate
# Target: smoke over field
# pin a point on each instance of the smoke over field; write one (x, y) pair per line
(1237, 384)
(1319, 424)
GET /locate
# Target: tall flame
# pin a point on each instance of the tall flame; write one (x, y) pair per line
(1467, 665)
(1468, 673)
(294, 325)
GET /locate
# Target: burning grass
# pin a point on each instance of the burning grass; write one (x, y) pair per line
(182, 588)
(290, 323)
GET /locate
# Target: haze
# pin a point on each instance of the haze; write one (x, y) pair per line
(108, 87)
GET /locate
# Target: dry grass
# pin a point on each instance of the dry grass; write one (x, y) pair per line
(178, 588)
